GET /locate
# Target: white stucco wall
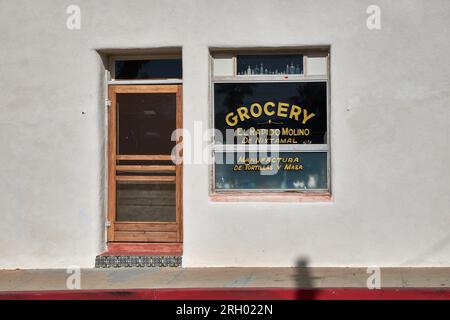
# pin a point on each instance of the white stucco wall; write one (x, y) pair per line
(390, 120)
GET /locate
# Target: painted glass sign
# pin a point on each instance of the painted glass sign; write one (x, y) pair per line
(280, 64)
(271, 112)
(276, 114)
(271, 171)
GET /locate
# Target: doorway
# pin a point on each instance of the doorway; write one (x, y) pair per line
(144, 178)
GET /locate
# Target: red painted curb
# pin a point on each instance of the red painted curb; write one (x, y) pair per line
(235, 294)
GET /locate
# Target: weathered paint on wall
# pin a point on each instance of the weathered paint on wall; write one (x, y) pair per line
(390, 120)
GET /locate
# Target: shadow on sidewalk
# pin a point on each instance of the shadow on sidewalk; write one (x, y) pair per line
(304, 279)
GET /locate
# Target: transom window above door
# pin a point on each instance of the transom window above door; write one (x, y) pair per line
(152, 67)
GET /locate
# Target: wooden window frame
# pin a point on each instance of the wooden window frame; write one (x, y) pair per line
(261, 195)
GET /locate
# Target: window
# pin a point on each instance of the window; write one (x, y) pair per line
(249, 64)
(146, 67)
(270, 115)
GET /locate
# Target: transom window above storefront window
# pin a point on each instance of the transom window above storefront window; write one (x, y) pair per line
(274, 64)
(270, 115)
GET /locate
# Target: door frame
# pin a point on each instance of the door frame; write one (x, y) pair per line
(143, 232)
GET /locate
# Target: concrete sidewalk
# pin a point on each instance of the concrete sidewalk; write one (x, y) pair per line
(152, 278)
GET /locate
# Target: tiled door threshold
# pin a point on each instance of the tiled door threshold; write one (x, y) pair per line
(140, 255)
(137, 261)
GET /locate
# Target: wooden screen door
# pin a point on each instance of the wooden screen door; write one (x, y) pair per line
(144, 196)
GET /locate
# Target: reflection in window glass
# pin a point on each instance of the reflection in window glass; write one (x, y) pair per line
(146, 202)
(148, 69)
(270, 64)
(276, 171)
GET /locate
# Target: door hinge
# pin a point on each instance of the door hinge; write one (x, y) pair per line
(108, 223)
(107, 103)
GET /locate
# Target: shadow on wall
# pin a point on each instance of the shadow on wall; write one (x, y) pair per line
(304, 279)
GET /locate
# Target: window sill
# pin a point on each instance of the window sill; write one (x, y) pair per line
(271, 197)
